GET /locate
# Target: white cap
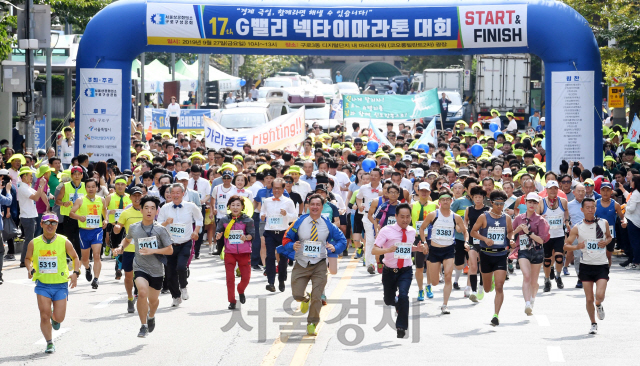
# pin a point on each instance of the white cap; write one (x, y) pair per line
(182, 176)
(4, 172)
(407, 158)
(552, 183)
(418, 172)
(541, 119)
(533, 197)
(424, 185)
(507, 171)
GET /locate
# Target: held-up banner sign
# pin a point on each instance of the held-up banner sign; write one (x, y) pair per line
(100, 118)
(336, 27)
(279, 133)
(189, 120)
(391, 106)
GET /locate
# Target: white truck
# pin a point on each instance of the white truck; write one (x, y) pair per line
(503, 82)
(443, 79)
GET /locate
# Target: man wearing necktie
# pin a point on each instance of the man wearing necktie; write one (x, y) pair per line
(178, 217)
(310, 241)
(396, 243)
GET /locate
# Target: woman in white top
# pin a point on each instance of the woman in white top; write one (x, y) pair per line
(27, 198)
(632, 214)
(174, 114)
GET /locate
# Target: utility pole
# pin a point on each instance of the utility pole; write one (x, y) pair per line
(141, 100)
(49, 115)
(30, 124)
(68, 89)
(173, 67)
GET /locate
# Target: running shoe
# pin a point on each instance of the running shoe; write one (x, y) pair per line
(445, 309)
(94, 284)
(88, 274)
(510, 266)
(559, 282)
(371, 269)
(238, 272)
(323, 298)
(600, 310)
(232, 306)
(623, 264)
(107, 250)
(630, 266)
(176, 302)
(401, 333)
(517, 265)
(144, 331)
(466, 270)
(421, 295)
(579, 284)
(467, 291)
(528, 309)
(547, 285)
(311, 329)
(441, 277)
(480, 293)
(151, 324)
(532, 301)
(184, 293)
(456, 286)
(130, 308)
(359, 253)
(270, 288)
(565, 271)
(118, 274)
(281, 286)
(429, 293)
(56, 326)
(594, 329)
(243, 298)
(164, 291)
(51, 348)
(1, 280)
(494, 321)
(473, 297)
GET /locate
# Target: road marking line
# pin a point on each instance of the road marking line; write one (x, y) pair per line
(300, 357)
(555, 354)
(107, 302)
(542, 320)
(279, 344)
(54, 335)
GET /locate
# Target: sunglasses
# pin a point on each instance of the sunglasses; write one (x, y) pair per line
(288, 181)
(565, 181)
(226, 177)
(49, 223)
(588, 185)
(506, 175)
(498, 203)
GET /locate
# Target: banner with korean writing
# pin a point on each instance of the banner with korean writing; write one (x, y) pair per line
(100, 118)
(40, 134)
(336, 27)
(189, 120)
(391, 106)
(279, 133)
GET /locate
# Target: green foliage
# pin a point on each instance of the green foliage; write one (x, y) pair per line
(7, 22)
(256, 66)
(75, 12)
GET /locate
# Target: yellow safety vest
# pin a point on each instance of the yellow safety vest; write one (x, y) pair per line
(88, 208)
(114, 202)
(50, 260)
(419, 212)
(69, 192)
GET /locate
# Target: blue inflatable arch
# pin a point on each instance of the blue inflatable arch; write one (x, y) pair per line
(552, 30)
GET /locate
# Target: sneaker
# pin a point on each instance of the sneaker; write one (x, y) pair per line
(185, 293)
(565, 271)
(528, 309)
(480, 294)
(441, 278)
(56, 326)
(323, 298)
(165, 291)
(130, 308)
(401, 333)
(256, 268)
(494, 321)
(421, 295)
(510, 267)
(281, 286)
(547, 285)
(467, 291)
(243, 298)
(1, 280)
(466, 270)
(429, 292)
(151, 324)
(197, 256)
(270, 288)
(594, 329)
(371, 269)
(600, 310)
(9, 257)
(50, 348)
(304, 306)
(444, 309)
(579, 284)
(559, 282)
(345, 253)
(107, 250)
(532, 301)
(507, 277)
(144, 331)
(94, 284)
(118, 274)
(88, 274)
(456, 286)
(552, 275)
(176, 302)
(311, 329)
(473, 297)
(380, 266)
(232, 306)
(238, 274)
(632, 266)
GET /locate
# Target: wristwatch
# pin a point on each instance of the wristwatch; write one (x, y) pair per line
(77, 273)
(33, 270)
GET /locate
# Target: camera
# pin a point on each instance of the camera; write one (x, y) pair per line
(576, 163)
(6, 180)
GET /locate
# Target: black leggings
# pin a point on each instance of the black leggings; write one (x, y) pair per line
(173, 126)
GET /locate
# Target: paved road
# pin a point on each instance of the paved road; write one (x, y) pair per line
(98, 329)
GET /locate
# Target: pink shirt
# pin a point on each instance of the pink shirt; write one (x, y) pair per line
(388, 237)
(41, 206)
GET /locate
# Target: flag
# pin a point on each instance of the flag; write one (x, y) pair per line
(336, 108)
(634, 130)
(429, 135)
(376, 135)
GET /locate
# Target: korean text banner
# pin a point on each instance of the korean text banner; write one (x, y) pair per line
(100, 124)
(336, 28)
(190, 119)
(391, 106)
(277, 134)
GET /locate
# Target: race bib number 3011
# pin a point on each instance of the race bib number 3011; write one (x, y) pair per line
(149, 242)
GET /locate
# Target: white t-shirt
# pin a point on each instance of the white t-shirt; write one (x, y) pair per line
(27, 205)
(66, 151)
(340, 180)
(174, 110)
(513, 125)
